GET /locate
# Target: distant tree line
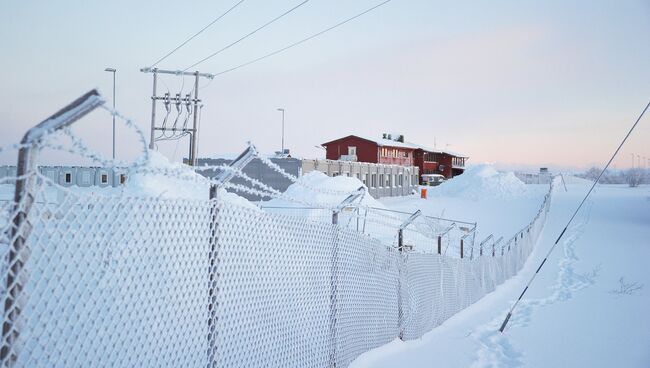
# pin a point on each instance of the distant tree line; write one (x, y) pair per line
(632, 177)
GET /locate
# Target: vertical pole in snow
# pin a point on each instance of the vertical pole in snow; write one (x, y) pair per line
(153, 110)
(195, 132)
(461, 248)
(439, 244)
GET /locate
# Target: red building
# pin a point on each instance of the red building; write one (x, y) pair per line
(394, 151)
(378, 151)
(442, 162)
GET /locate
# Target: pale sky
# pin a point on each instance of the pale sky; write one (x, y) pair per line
(555, 83)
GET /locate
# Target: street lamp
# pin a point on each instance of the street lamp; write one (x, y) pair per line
(113, 70)
(282, 110)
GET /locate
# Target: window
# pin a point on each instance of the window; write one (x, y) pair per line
(401, 180)
(104, 178)
(122, 178)
(373, 183)
(381, 180)
(68, 177)
(366, 179)
(85, 178)
(352, 150)
(388, 177)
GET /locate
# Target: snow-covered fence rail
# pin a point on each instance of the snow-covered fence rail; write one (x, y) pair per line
(151, 279)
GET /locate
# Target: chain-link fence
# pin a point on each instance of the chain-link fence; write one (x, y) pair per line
(118, 279)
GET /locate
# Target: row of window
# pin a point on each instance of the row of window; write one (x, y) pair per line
(103, 178)
(437, 157)
(385, 180)
(393, 152)
(432, 157)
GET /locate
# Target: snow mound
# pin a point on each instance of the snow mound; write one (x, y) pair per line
(170, 180)
(482, 181)
(318, 188)
(164, 179)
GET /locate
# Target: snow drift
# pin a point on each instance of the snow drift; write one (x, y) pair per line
(482, 181)
(169, 180)
(318, 188)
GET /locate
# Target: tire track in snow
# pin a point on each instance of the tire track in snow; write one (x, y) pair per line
(496, 350)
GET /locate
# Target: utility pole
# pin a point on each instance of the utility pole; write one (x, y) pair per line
(191, 104)
(282, 110)
(113, 70)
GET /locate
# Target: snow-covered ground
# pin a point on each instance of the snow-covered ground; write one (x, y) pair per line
(499, 203)
(587, 308)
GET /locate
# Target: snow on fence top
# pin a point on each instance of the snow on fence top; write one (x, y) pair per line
(163, 272)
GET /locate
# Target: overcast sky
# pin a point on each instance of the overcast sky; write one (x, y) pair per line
(555, 83)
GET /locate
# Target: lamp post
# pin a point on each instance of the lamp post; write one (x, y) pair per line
(113, 70)
(282, 110)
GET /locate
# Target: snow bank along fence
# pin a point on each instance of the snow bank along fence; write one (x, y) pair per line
(122, 280)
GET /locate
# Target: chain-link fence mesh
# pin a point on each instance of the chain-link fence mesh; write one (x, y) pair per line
(121, 280)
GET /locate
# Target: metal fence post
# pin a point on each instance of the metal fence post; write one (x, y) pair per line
(494, 245)
(334, 271)
(224, 177)
(21, 227)
(212, 277)
(483, 242)
(462, 243)
(401, 247)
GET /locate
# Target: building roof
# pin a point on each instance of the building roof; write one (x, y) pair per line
(382, 142)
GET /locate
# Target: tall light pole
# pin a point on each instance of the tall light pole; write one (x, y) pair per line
(282, 110)
(113, 70)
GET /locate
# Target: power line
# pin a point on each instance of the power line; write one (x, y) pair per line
(196, 34)
(505, 321)
(247, 35)
(304, 39)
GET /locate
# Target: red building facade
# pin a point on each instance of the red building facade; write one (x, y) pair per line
(380, 151)
(392, 152)
(440, 162)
